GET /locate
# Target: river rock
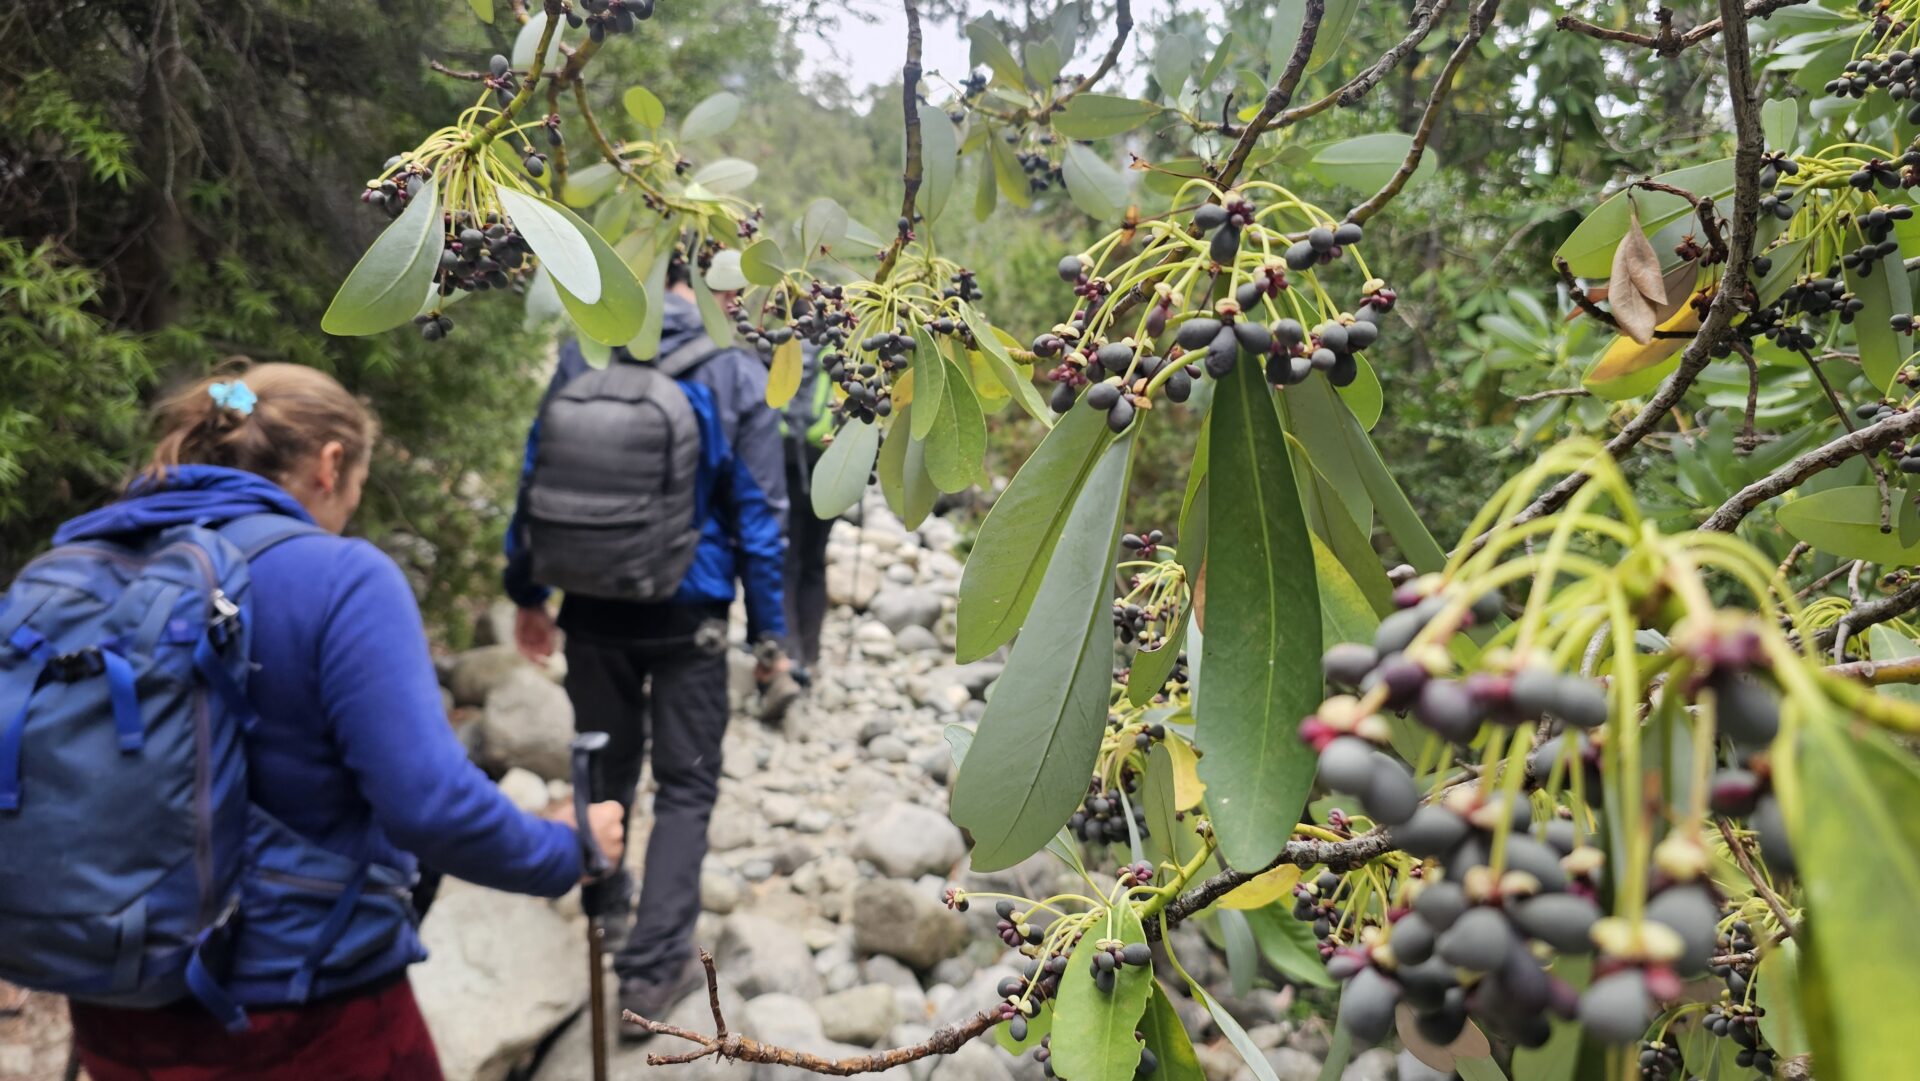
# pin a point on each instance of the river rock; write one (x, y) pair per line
(980, 1060)
(899, 920)
(907, 840)
(852, 581)
(503, 971)
(766, 956)
(861, 1015)
(526, 789)
(916, 639)
(528, 723)
(903, 607)
(475, 673)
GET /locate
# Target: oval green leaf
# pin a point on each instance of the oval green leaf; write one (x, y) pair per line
(958, 441)
(1008, 176)
(929, 383)
(1846, 522)
(726, 174)
(1172, 63)
(840, 476)
(585, 186)
(1093, 185)
(822, 226)
(762, 262)
(482, 8)
(383, 290)
(644, 107)
(1093, 1029)
(711, 117)
(622, 308)
(1886, 292)
(987, 195)
(1261, 594)
(1589, 250)
(1097, 116)
(527, 42)
(1010, 557)
(986, 49)
(563, 249)
(903, 472)
(1367, 162)
(939, 157)
(1011, 376)
(1037, 741)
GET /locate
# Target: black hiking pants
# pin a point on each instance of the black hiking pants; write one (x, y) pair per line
(668, 699)
(805, 587)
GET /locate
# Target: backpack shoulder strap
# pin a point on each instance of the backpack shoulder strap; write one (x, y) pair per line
(687, 357)
(255, 533)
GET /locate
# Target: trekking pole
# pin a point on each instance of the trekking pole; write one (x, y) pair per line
(593, 899)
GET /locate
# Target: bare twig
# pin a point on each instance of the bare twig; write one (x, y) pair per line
(1867, 440)
(1731, 296)
(1278, 98)
(1703, 211)
(1425, 18)
(1336, 855)
(743, 1049)
(1666, 42)
(1579, 296)
(1557, 392)
(1745, 861)
(1477, 25)
(910, 176)
(451, 73)
(1879, 673)
(1873, 612)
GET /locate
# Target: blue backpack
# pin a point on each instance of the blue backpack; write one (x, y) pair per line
(124, 817)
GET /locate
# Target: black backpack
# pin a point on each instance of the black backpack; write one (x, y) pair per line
(610, 498)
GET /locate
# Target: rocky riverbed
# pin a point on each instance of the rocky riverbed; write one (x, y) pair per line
(821, 898)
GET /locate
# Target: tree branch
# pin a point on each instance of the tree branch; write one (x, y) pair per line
(1122, 26)
(1879, 673)
(1867, 440)
(1477, 25)
(910, 176)
(1741, 857)
(1666, 42)
(1871, 613)
(743, 1049)
(1425, 18)
(1277, 98)
(1731, 297)
(1336, 855)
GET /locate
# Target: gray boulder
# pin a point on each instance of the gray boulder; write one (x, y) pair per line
(528, 723)
(765, 956)
(862, 1015)
(981, 1060)
(916, 639)
(474, 674)
(503, 972)
(899, 920)
(904, 607)
(906, 840)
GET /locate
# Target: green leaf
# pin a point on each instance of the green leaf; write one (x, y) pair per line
(987, 195)
(1249, 1051)
(1364, 395)
(562, 248)
(1039, 1026)
(1288, 945)
(1221, 54)
(763, 262)
(1479, 1069)
(1397, 515)
(1151, 667)
(939, 157)
(1005, 370)
(958, 441)
(647, 342)
(988, 50)
(713, 318)
(1008, 176)
(822, 226)
(1097, 116)
(527, 42)
(865, 237)
(1780, 121)
(1776, 989)
(1886, 292)
(725, 273)
(623, 308)
(1038, 739)
(384, 289)
(1367, 162)
(1174, 836)
(1261, 595)
(1890, 645)
(1589, 250)
(903, 472)
(1044, 61)
(726, 174)
(644, 107)
(1846, 522)
(840, 476)
(1093, 1029)
(1010, 556)
(1094, 186)
(1856, 836)
(482, 8)
(1314, 416)
(1332, 37)
(711, 117)
(1167, 1039)
(585, 186)
(929, 383)
(1172, 63)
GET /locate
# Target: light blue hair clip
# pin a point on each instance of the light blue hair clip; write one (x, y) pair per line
(236, 396)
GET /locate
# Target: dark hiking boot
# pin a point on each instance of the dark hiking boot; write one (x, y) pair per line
(777, 696)
(654, 1001)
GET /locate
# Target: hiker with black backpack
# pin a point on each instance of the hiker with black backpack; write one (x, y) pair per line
(653, 487)
(222, 748)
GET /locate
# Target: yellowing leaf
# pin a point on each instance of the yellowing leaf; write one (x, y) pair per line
(1626, 355)
(783, 379)
(1187, 786)
(902, 392)
(1264, 890)
(1678, 284)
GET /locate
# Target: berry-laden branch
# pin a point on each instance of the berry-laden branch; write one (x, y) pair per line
(1335, 855)
(1867, 440)
(1666, 42)
(1278, 98)
(1122, 26)
(1732, 295)
(555, 10)
(1745, 862)
(910, 176)
(743, 1049)
(1477, 25)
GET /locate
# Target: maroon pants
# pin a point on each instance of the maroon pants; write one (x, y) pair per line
(376, 1034)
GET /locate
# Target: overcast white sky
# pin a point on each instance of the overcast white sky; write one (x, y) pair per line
(866, 53)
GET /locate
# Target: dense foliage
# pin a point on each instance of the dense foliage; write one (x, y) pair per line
(1621, 783)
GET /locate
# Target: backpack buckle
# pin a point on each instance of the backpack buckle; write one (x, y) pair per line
(78, 665)
(226, 617)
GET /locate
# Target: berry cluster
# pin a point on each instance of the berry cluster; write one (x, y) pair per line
(1224, 222)
(1322, 245)
(1897, 72)
(1102, 817)
(606, 17)
(392, 194)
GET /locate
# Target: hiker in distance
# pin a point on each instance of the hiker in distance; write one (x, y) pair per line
(651, 487)
(805, 425)
(222, 748)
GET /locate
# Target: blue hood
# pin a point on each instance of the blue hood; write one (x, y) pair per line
(190, 494)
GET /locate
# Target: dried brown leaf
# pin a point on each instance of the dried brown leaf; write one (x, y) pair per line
(1679, 286)
(1635, 261)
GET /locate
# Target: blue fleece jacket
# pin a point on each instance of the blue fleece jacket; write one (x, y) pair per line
(352, 749)
(740, 498)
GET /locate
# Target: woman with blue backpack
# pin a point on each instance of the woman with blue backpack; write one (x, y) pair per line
(223, 751)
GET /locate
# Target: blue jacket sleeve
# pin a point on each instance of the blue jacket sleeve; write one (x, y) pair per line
(384, 710)
(757, 476)
(518, 575)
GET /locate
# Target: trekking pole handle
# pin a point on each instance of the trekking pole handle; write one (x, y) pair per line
(585, 746)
